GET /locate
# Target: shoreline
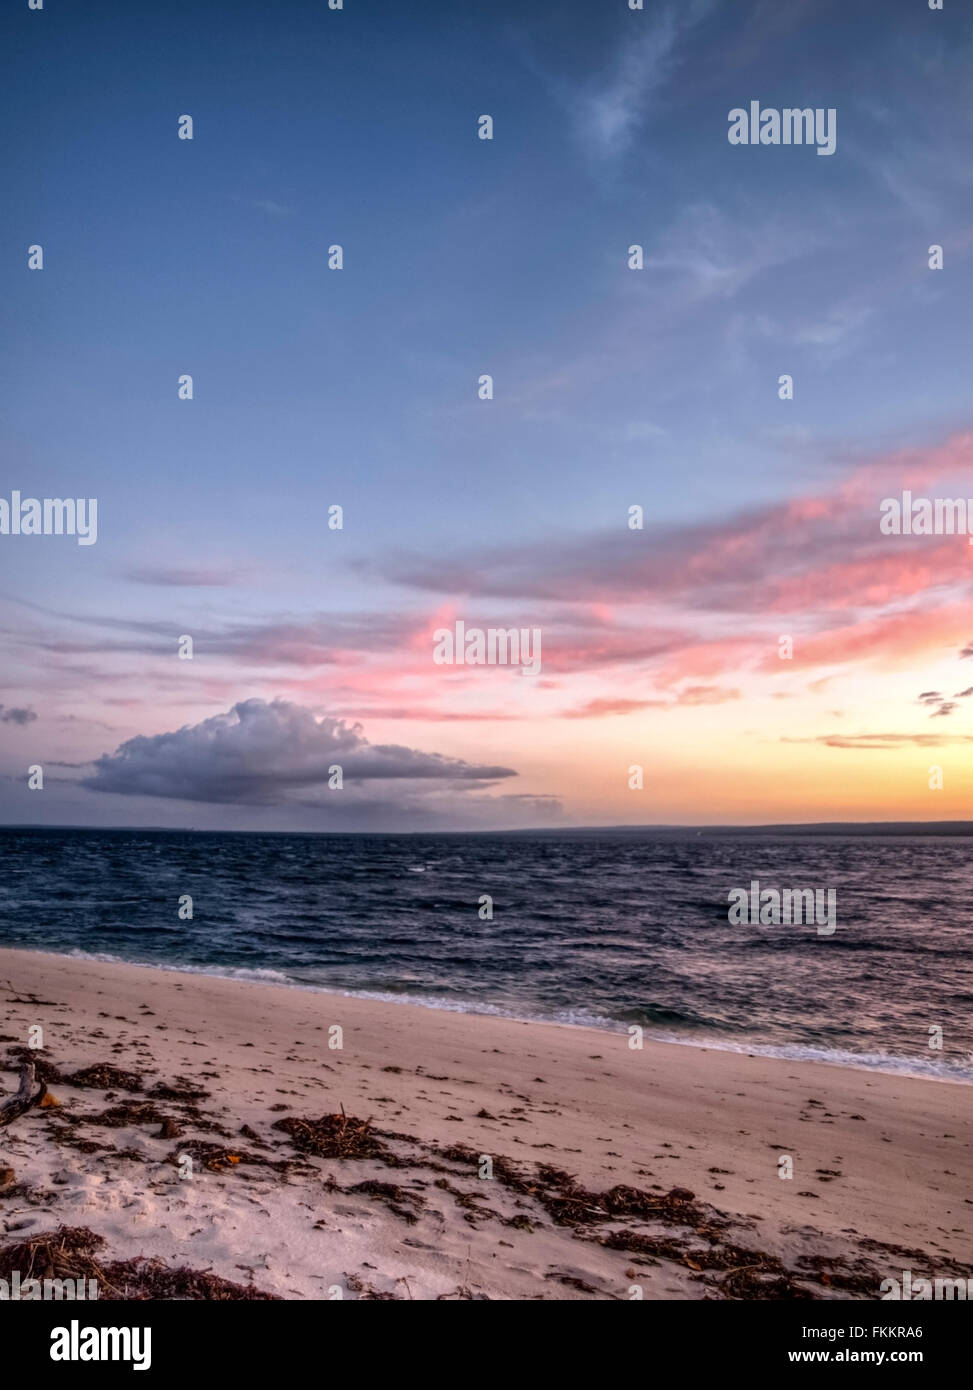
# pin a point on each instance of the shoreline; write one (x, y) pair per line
(880, 1161)
(870, 1063)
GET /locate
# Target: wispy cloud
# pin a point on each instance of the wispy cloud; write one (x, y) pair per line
(270, 206)
(187, 577)
(610, 109)
(611, 114)
(880, 742)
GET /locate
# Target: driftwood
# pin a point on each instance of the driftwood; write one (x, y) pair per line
(24, 1100)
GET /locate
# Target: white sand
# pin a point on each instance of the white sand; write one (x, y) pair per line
(666, 1116)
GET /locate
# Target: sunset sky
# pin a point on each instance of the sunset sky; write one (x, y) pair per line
(613, 388)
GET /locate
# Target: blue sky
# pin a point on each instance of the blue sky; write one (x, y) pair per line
(462, 256)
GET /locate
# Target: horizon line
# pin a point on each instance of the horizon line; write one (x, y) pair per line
(943, 827)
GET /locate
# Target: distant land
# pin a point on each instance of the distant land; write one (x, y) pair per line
(848, 828)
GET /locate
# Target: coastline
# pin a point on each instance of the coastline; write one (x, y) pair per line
(878, 1157)
(885, 1064)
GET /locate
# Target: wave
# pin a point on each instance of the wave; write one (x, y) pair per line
(930, 1069)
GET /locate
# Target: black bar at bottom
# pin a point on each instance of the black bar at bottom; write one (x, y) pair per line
(304, 1338)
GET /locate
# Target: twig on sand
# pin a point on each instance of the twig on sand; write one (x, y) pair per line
(737, 1269)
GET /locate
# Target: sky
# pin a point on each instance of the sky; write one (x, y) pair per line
(663, 648)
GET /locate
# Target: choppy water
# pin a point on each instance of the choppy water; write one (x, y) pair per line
(601, 930)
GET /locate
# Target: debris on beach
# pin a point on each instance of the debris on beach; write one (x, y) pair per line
(218, 1159)
(336, 1136)
(129, 1112)
(18, 1057)
(180, 1090)
(102, 1076)
(75, 1253)
(400, 1202)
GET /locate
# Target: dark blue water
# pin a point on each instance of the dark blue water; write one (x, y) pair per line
(601, 930)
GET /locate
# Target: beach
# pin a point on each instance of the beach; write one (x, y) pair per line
(501, 1159)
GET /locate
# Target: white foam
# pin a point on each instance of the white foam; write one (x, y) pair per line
(930, 1070)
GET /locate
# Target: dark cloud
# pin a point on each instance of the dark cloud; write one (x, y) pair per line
(266, 754)
(16, 716)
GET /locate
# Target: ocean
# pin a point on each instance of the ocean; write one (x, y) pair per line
(607, 930)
